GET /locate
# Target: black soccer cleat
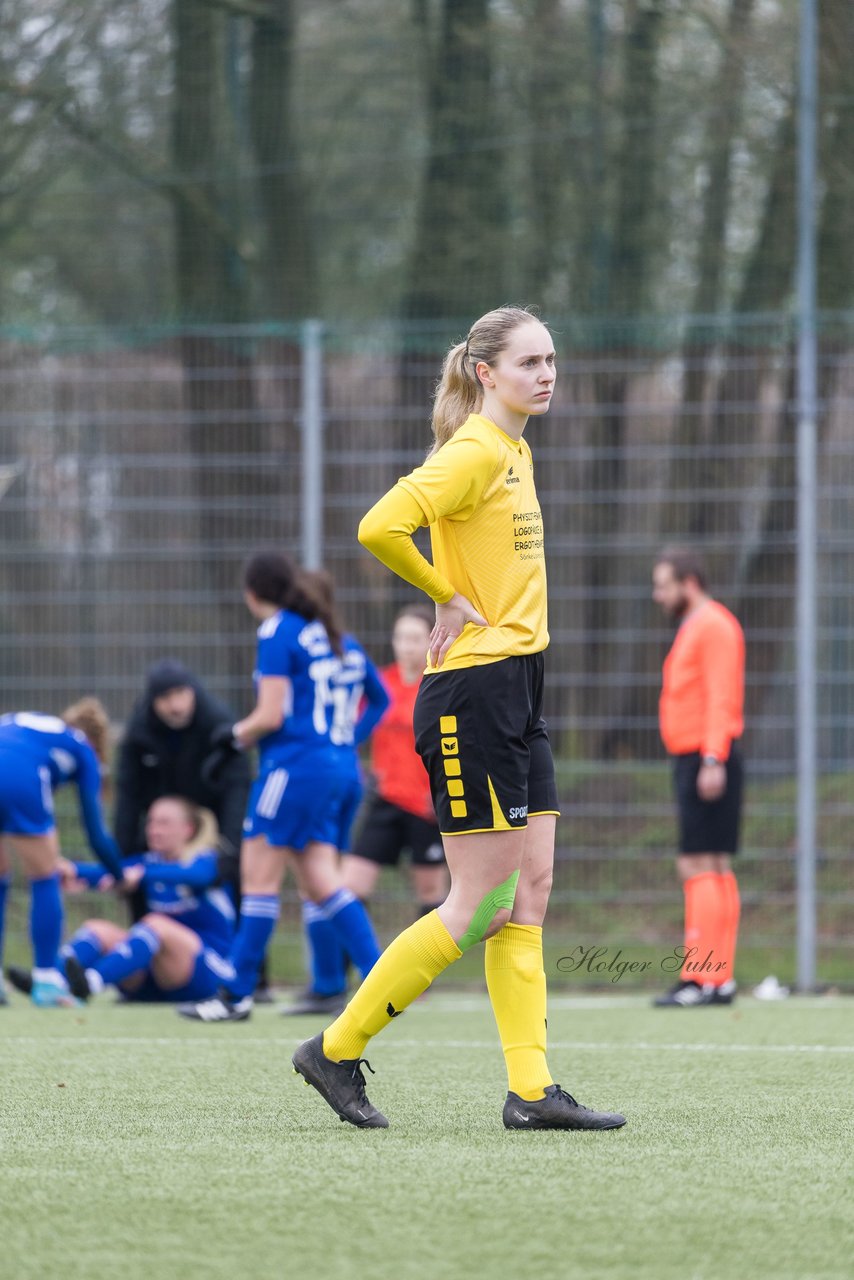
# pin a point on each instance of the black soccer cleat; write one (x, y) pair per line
(21, 979)
(222, 1007)
(341, 1084)
(725, 993)
(557, 1110)
(310, 1002)
(75, 974)
(687, 995)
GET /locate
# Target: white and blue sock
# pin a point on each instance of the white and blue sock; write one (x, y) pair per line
(259, 914)
(45, 921)
(84, 946)
(327, 962)
(352, 924)
(134, 955)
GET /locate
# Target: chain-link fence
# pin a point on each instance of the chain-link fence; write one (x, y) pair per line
(138, 470)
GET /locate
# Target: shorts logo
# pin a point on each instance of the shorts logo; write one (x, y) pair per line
(520, 812)
(453, 771)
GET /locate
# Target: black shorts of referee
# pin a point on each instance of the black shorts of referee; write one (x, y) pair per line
(708, 826)
(388, 831)
(481, 734)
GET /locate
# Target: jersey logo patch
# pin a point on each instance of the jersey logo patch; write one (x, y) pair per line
(510, 478)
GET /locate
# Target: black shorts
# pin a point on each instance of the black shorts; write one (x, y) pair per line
(481, 734)
(388, 830)
(708, 826)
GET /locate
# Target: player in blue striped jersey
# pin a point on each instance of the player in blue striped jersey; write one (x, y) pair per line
(179, 949)
(39, 754)
(298, 801)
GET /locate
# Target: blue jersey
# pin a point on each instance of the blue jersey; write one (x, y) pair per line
(299, 651)
(189, 892)
(359, 697)
(40, 753)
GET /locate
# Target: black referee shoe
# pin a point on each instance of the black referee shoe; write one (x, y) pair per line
(687, 995)
(341, 1084)
(557, 1110)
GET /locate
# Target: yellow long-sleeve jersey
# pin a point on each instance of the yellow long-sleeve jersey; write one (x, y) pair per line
(478, 497)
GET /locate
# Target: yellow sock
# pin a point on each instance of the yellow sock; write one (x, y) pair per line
(516, 981)
(405, 969)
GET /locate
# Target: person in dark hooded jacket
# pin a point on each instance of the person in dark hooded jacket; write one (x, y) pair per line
(169, 739)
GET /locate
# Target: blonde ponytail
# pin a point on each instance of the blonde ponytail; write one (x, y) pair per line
(459, 392)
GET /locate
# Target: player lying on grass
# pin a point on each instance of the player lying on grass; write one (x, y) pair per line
(39, 754)
(178, 950)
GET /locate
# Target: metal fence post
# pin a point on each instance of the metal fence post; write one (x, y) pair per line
(807, 596)
(311, 427)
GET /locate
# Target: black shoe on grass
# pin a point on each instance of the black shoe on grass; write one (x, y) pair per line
(341, 1084)
(75, 974)
(21, 979)
(686, 995)
(725, 993)
(223, 1007)
(310, 1002)
(557, 1110)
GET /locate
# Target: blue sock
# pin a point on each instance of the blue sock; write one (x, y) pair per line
(259, 913)
(328, 977)
(46, 921)
(352, 924)
(85, 947)
(5, 882)
(133, 955)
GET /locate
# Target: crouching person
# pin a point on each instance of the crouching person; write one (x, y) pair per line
(178, 950)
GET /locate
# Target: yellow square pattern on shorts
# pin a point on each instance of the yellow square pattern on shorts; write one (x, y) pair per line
(452, 768)
(447, 724)
(458, 809)
(450, 746)
(455, 787)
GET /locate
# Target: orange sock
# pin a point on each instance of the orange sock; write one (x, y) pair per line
(732, 899)
(705, 929)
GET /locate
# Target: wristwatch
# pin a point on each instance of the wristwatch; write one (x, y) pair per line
(711, 760)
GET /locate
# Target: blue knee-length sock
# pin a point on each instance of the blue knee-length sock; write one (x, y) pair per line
(352, 924)
(326, 955)
(259, 913)
(85, 946)
(134, 955)
(45, 921)
(5, 882)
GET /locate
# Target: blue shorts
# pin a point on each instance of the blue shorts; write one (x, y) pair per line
(211, 971)
(349, 809)
(26, 798)
(293, 807)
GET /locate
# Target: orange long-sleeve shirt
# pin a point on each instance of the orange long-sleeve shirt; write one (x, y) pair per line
(702, 697)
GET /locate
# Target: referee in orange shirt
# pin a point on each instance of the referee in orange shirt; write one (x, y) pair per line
(701, 717)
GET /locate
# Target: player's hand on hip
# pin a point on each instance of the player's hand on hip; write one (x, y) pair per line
(711, 781)
(450, 620)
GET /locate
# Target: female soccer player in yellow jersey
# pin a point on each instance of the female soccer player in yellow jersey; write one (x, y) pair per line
(478, 722)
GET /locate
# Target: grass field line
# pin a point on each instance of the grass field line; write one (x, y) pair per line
(593, 1046)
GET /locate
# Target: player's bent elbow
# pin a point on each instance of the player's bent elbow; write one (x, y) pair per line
(371, 532)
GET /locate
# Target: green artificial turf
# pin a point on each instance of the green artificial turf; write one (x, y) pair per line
(135, 1144)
